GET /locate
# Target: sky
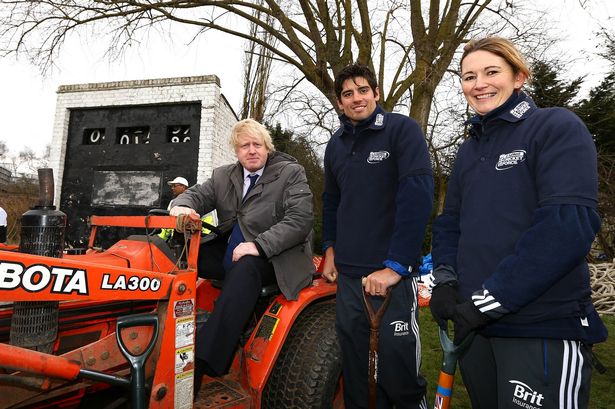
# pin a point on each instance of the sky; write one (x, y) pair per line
(27, 106)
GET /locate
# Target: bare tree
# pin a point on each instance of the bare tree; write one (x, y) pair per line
(25, 163)
(257, 69)
(445, 133)
(317, 37)
(410, 44)
(606, 203)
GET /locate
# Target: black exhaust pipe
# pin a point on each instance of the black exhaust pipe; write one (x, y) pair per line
(34, 324)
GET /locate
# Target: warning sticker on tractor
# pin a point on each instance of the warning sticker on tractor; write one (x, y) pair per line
(184, 390)
(183, 357)
(182, 308)
(267, 327)
(184, 332)
(275, 308)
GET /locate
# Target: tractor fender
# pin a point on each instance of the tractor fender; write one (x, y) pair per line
(264, 345)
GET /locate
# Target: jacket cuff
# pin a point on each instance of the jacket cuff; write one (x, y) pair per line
(327, 244)
(444, 275)
(261, 252)
(488, 305)
(398, 268)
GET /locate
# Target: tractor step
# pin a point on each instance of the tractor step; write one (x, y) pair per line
(221, 394)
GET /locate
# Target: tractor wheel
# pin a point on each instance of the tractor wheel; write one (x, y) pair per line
(307, 371)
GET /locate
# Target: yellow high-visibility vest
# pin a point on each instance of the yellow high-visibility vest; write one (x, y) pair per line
(166, 234)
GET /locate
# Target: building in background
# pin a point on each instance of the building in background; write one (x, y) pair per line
(5, 176)
(116, 144)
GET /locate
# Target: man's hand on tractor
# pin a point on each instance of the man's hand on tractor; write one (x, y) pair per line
(443, 303)
(378, 282)
(467, 319)
(177, 210)
(187, 219)
(247, 248)
(329, 272)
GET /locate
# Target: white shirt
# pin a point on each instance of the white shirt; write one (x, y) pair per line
(3, 217)
(246, 179)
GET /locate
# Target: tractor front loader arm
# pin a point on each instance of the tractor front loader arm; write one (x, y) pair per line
(169, 371)
(103, 357)
(21, 359)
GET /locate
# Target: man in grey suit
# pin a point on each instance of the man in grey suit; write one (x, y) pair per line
(264, 206)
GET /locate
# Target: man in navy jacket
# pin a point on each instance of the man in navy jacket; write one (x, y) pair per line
(376, 203)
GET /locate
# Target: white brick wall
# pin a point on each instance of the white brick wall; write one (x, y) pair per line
(217, 116)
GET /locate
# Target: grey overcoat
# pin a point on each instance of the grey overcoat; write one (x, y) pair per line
(277, 214)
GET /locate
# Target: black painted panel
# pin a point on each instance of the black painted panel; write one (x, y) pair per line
(118, 160)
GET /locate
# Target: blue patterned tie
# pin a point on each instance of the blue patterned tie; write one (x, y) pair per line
(252, 183)
(236, 235)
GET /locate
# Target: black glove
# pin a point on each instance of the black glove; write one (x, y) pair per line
(467, 318)
(442, 303)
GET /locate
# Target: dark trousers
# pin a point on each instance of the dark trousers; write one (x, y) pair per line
(399, 383)
(513, 373)
(217, 340)
(2, 234)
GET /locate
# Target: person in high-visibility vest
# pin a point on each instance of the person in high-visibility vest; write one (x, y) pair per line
(178, 186)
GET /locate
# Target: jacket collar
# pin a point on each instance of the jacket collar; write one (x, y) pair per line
(377, 120)
(246, 173)
(276, 161)
(516, 108)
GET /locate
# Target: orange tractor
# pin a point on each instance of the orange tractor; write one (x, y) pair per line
(115, 327)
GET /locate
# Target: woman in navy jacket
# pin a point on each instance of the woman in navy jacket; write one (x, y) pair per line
(509, 248)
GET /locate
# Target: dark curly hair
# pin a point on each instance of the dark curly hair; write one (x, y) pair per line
(353, 71)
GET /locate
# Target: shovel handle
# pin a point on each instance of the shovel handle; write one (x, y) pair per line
(444, 391)
(446, 379)
(374, 318)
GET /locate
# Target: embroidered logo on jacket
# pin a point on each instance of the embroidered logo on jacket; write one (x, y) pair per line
(508, 160)
(377, 157)
(520, 109)
(379, 120)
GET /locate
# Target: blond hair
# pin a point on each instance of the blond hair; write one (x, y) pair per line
(252, 128)
(501, 47)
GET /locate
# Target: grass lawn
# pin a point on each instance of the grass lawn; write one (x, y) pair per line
(602, 387)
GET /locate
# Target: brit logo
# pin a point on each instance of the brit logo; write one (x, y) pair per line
(520, 109)
(400, 328)
(377, 157)
(379, 120)
(508, 160)
(526, 397)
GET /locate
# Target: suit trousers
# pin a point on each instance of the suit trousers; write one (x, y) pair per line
(217, 340)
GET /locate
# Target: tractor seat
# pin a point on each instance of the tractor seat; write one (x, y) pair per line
(266, 291)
